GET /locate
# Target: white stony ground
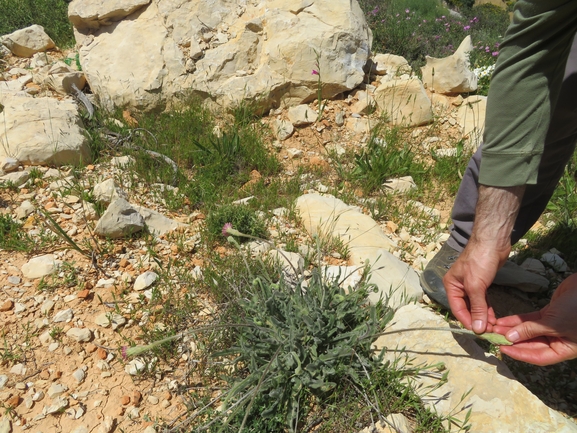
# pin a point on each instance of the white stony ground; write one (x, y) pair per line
(62, 369)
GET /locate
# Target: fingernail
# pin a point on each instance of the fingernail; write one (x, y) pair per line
(478, 326)
(512, 336)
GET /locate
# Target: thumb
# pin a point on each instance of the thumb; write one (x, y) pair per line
(528, 330)
(479, 312)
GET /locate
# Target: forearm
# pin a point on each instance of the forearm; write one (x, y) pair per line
(495, 215)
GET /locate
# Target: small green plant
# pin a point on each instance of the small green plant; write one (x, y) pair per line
(317, 71)
(383, 158)
(12, 237)
(240, 216)
(56, 333)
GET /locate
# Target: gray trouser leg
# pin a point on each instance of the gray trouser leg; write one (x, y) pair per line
(559, 146)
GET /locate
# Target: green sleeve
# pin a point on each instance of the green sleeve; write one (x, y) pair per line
(524, 90)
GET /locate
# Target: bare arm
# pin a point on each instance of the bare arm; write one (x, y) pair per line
(487, 250)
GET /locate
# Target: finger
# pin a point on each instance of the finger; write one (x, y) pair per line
(530, 329)
(479, 311)
(517, 319)
(460, 310)
(541, 356)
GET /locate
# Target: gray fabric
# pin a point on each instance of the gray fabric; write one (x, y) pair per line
(559, 146)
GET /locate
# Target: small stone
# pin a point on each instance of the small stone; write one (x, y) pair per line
(134, 367)
(555, 261)
(37, 396)
(107, 425)
(40, 266)
(83, 294)
(102, 320)
(7, 305)
(90, 347)
(145, 280)
(13, 401)
(136, 398)
(80, 429)
(53, 346)
(167, 396)
(5, 425)
(3, 380)
(18, 369)
(124, 400)
(46, 307)
(57, 405)
(165, 404)
(63, 316)
(28, 402)
(151, 399)
(79, 375)
(44, 375)
(56, 390)
(82, 335)
(14, 280)
(101, 353)
(149, 429)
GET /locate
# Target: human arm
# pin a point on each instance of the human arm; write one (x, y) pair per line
(547, 336)
(467, 281)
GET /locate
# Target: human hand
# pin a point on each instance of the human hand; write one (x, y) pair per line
(466, 285)
(547, 336)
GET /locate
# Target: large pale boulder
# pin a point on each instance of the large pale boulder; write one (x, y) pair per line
(451, 74)
(389, 64)
(476, 381)
(328, 217)
(405, 102)
(93, 15)
(261, 51)
(29, 41)
(42, 131)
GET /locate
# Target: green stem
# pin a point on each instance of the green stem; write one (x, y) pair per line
(491, 337)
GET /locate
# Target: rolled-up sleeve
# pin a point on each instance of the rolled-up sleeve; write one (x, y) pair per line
(524, 90)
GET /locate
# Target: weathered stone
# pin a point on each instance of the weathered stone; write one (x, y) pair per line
(533, 265)
(3, 380)
(400, 185)
(157, 223)
(63, 316)
(81, 335)
(119, 220)
(40, 266)
(62, 78)
(8, 164)
(367, 244)
(282, 129)
(93, 15)
(5, 425)
(42, 131)
(134, 367)
(79, 375)
(471, 118)
(56, 390)
(496, 400)
(404, 102)
(555, 261)
(28, 41)
(24, 210)
(144, 281)
(302, 115)
(451, 74)
(17, 178)
(290, 263)
(513, 275)
(234, 52)
(107, 191)
(389, 64)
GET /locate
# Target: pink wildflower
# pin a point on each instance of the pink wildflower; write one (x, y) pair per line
(227, 227)
(315, 72)
(495, 53)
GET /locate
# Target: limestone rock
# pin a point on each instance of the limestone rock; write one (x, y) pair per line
(82, 335)
(223, 51)
(28, 41)
(107, 191)
(5, 425)
(513, 275)
(291, 263)
(405, 102)
(157, 223)
(63, 316)
(93, 15)
(40, 266)
(400, 185)
(25, 209)
(555, 261)
(42, 131)
(119, 220)
(61, 78)
(471, 118)
(8, 164)
(389, 64)
(451, 74)
(17, 178)
(497, 401)
(302, 115)
(327, 216)
(282, 129)
(533, 265)
(144, 281)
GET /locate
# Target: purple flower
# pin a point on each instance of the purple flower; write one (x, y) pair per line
(467, 28)
(375, 11)
(407, 11)
(123, 352)
(228, 226)
(424, 21)
(495, 53)
(443, 17)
